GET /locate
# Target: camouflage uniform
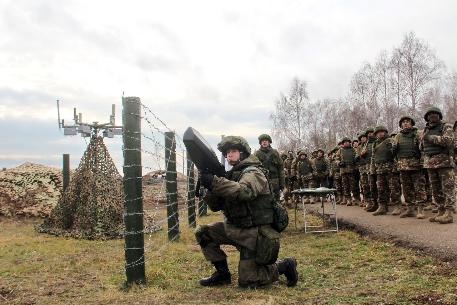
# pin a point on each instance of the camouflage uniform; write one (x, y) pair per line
(306, 174)
(335, 168)
(272, 161)
(406, 149)
(383, 161)
(356, 192)
(321, 168)
(367, 154)
(245, 198)
(346, 157)
(363, 166)
(437, 145)
(394, 183)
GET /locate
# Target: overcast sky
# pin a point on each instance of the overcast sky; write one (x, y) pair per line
(217, 66)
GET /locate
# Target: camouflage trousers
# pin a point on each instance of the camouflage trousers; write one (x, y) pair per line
(428, 189)
(372, 180)
(442, 185)
(356, 191)
(308, 183)
(382, 184)
(395, 188)
(365, 186)
(348, 182)
(413, 185)
(274, 184)
(210, 238)
(338, 185)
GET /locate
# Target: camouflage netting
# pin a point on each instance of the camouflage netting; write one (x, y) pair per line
(29, 190)
(92, 206)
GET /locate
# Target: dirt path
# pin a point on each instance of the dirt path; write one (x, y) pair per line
(435, 239)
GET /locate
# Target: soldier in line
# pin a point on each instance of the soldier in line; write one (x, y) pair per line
(346, 157)
(294, 177)
(330, 155)
(355, 145)
(363, 165)
(367, 154)
(246, 200)
(321, 169)
(306, 174)
(337, 179)
(437, 144)
(383, 160)
(288, 177)
(406, 150)
(273, 163)
(395, 186)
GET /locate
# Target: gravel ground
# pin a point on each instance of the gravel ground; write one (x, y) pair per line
(432, 238)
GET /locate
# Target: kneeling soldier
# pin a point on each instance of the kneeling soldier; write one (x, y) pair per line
(246, 200)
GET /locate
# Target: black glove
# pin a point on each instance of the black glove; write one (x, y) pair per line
(207, 180)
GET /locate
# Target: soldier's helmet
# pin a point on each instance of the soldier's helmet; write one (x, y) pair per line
(369, 130)
(380, 128)
(346, 139)
(302, 152)
(265, 137)
(336, 148)
(283, 156)
(393, 134)
(234, 142)
(320, 150)
(361, 135)
(433, 110)
(407, 117)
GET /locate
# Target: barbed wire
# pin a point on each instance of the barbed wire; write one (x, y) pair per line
(156, 160)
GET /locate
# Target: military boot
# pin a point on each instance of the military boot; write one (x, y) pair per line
(348, 201)
(397, 210)
(362, 204)
(446, 218)
(440, 213)
(222, 275)
(339, 199)
(372, 207)
(409, 212)
(382, 210)
(288, 267)
(420, 213)
(429, 207)
(356, 201)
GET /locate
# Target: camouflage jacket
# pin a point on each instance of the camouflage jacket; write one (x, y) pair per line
(288, 166)
(271, 160)
(361, 162)
(252, 184)
(446, 139)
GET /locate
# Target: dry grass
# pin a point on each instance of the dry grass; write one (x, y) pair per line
(338, 268)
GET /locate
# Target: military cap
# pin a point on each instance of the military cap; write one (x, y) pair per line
(265, 137)
(230, 142)
(380, 128)
(432, 110)
(406, 117)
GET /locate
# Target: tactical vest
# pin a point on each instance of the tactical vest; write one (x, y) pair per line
(320, 165)
(304, 167)
(347, 156)
(407, 147)
(249, 214)
(269, 161)
(383, 152)
(431, 149)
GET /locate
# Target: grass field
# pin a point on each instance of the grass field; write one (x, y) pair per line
(341, 268)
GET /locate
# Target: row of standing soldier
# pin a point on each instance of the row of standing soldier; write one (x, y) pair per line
(382, 167)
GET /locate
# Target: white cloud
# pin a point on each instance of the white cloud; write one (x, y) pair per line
(189, 58)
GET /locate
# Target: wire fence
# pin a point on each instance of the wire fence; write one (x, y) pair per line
(159, 187)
